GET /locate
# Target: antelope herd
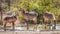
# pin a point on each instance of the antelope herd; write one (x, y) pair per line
(47, 18)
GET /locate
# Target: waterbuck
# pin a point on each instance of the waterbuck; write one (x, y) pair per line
(49, 18)
(10, 17)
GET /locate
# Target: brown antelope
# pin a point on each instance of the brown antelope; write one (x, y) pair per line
(29, 16)
(49, 18)
(9, 19)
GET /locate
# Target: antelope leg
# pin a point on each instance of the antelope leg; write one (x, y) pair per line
(13, 25)
(5, 26)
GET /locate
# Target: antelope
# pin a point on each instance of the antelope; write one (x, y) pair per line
(9, 19)
(29, 16)
(49, 18)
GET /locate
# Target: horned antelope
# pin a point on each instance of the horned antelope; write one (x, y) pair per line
(29, 16)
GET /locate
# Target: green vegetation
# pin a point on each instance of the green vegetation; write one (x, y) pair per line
(40, 6)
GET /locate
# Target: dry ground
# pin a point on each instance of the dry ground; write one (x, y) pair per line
(30, 32)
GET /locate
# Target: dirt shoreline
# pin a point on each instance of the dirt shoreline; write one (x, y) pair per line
(30, 32)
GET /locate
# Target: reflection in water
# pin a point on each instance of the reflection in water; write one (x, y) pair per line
(58, 27)
(31, 27)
